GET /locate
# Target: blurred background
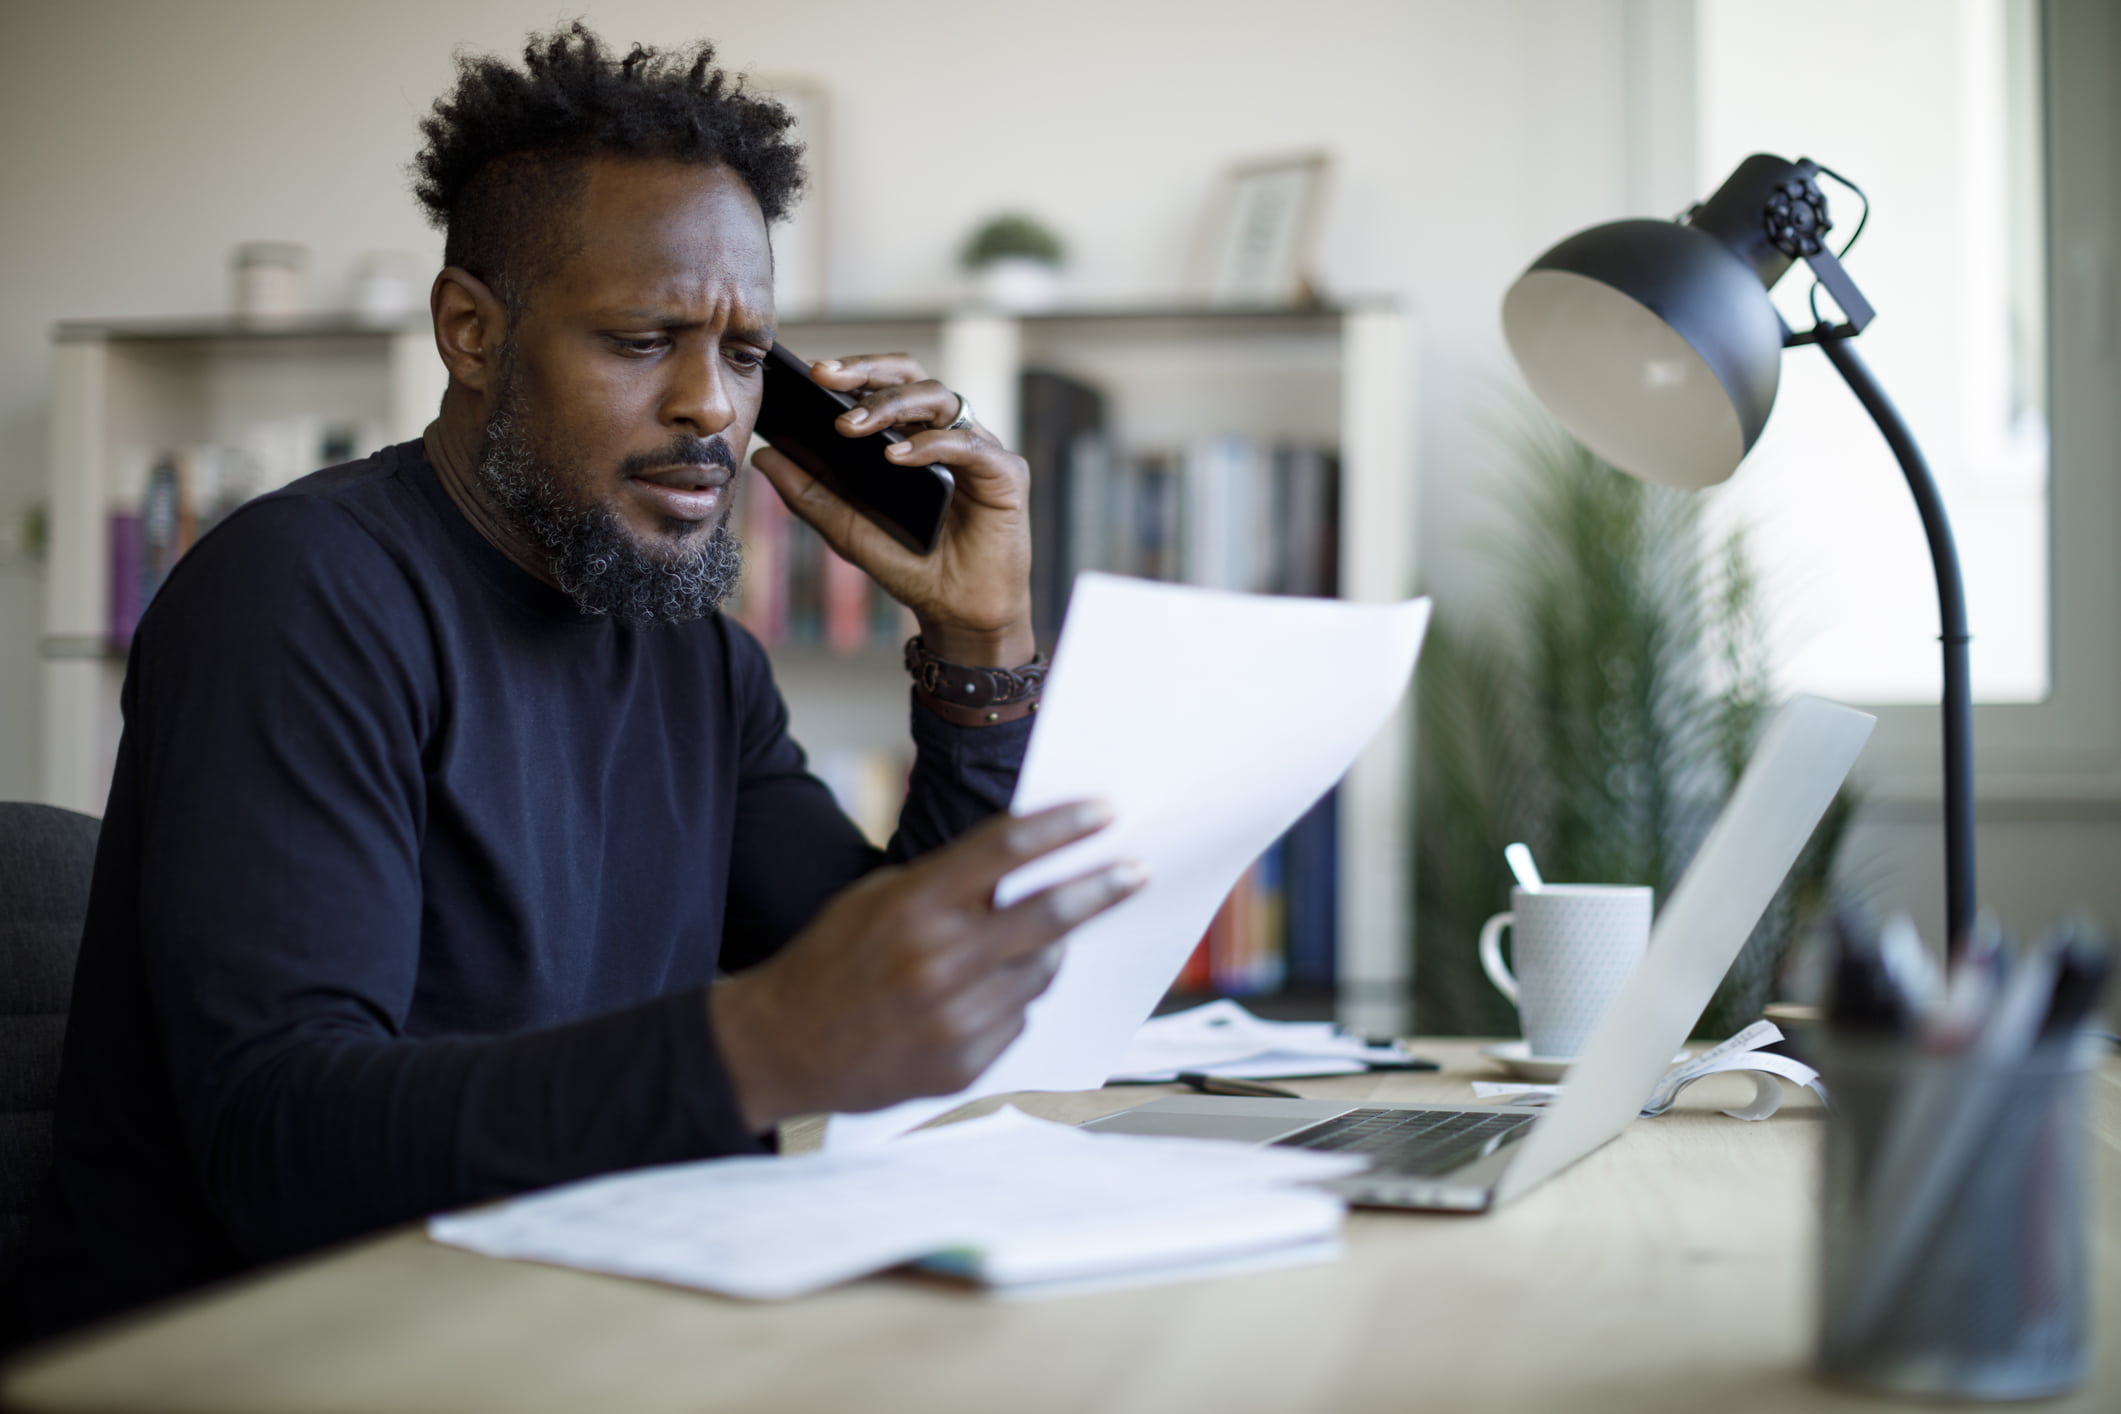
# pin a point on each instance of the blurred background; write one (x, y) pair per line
(1230, 274)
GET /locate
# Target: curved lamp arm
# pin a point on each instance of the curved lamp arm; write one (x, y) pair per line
(1951, 612)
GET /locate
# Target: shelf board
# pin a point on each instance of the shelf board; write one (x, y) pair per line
(76, 647)
(226, 329)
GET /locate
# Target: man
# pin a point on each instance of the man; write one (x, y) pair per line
(445, 792)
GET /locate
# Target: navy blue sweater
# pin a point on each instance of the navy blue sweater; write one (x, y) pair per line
(410, 883)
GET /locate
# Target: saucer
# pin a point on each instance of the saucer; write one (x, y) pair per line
(1516, 1057)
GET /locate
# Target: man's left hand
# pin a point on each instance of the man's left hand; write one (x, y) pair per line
(972, 593)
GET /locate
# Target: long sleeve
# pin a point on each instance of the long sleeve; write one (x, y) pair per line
(793, 848)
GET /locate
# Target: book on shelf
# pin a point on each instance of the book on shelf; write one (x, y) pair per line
(844, 592)
(797, 590)
(162, 501)
(1276, 929)
(1057, 414)
(1225, 511)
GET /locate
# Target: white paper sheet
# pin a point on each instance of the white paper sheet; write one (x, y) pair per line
(1274, 1259)
(1267, 1065)
(1767, 1070)
(1210, 722)
(1222, 1038)
(1726, 1055)
(1017, 1200)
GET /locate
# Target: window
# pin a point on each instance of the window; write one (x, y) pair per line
(1934, 107)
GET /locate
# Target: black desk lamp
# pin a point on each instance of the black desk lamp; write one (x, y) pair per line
(1655, 344)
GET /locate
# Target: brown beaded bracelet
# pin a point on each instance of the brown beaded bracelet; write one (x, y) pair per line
(974, 697)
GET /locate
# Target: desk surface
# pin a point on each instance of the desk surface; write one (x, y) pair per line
(1670, 1271)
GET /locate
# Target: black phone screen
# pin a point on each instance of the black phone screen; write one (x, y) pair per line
(796, 415)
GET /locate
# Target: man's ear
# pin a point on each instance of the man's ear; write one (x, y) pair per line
(470, 324)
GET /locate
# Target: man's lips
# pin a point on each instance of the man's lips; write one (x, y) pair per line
(686, 478)
(682, 492)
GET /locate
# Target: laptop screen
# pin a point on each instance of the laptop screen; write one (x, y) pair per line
(1802, 759)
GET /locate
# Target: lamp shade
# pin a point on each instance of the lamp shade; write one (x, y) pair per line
(1653, 343)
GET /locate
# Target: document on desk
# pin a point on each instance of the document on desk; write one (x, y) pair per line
(1210, 722)
(1222, 1038)
(1021, 1205)
(1739, 1054)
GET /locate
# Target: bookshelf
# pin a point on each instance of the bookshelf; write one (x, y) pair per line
(125, 393)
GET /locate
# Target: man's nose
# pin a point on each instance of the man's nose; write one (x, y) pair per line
(699, 398)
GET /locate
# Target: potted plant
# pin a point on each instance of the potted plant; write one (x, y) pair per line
(1015, 263)
(1601, 711)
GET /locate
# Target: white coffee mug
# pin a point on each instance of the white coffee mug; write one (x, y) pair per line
(1574, 945)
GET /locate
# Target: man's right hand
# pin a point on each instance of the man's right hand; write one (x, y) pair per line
(910, 982)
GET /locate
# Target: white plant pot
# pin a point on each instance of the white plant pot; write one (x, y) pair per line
(1018, 284)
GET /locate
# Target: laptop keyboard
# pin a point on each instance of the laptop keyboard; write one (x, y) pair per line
(1425, 1143)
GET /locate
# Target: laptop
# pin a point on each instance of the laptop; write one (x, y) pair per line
(1469, 1158)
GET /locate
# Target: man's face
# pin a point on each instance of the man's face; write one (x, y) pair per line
(629, 386)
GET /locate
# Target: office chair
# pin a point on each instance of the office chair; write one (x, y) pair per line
(46, 858)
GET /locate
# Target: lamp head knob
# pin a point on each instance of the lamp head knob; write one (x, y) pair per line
(1795, 218)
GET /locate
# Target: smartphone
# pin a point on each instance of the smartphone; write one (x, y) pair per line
(797, 417)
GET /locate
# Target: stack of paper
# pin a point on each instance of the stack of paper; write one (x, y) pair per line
(1740, 1053)
(1222, 1038)
(1024, 1206)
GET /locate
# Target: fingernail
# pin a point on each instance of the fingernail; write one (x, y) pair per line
(1046, 831)
(831, 365)
(899, 449)
(857, 417)
(1090, 815)
(1072, 903)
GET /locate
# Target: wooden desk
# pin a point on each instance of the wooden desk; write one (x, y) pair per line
(1670, 1271)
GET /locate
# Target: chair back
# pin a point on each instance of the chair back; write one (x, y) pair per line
(47, 856)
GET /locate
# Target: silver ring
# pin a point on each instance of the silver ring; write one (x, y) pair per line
(963, 418)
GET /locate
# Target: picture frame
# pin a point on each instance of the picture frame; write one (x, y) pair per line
(801, 254)
(1261, 231)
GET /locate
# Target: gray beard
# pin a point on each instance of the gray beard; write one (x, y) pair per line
(588, 551)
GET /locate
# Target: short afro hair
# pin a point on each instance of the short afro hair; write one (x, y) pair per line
(506, 147)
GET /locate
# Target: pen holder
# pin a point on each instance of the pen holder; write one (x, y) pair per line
(1984, 1295)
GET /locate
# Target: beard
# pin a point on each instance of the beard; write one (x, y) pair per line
(588, 550)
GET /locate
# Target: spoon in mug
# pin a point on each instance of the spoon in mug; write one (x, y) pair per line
(1520, 857)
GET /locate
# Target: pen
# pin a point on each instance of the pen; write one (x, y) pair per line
(1864, 999)
(1227, 1085)
(2080, 976)
(1400, 1061)
(1976, 981)
(1908, 965)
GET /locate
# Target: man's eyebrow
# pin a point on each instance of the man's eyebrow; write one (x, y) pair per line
(668, 319)
(658, 318)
